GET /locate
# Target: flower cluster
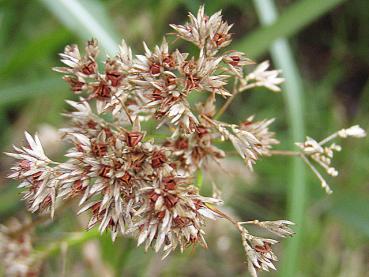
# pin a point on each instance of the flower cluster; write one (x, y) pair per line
(138, 182)
(323, 155)
(15, 251)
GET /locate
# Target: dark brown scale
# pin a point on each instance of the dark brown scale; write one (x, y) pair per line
(89, 68)
(192, 82)
(114, 77)
(169, 183)
(170, 201)
(267, 247)
(171, 80)
(181, 143)
(157, 94)
(77, 187)
(154, 69)
(218, 39)
(74, 84)
(91, 124)
(133, 138)
(153, 197)
(99, 148)
(46, 202)
(126, 178)
(235, 60)
(104, 172)
(158, 159)
(161, 215)
(169, 62)
(102, 91)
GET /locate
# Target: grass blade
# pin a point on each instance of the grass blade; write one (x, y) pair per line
(283, 58)
(293, 19)
(87, 19)
(30, 90)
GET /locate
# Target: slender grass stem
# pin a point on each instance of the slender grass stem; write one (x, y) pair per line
(282, 57)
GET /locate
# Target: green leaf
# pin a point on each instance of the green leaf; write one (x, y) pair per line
(87, 19)
(282, 56)
(24, 91)
(352, 209)
(25, 55)
(292, 20)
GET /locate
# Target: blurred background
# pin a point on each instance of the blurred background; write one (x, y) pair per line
(326, 63)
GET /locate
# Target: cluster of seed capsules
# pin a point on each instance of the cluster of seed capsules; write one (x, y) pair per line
(139, 182)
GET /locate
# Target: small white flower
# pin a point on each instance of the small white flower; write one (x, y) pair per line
(355, 131)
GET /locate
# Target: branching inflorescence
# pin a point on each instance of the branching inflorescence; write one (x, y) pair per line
(134, 182)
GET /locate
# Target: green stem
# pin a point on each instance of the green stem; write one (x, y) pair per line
(73, 239)
(283, 58)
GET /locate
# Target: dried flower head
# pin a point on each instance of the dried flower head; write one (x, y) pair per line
(136, 182)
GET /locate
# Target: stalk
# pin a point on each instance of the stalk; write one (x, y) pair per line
(282, 56)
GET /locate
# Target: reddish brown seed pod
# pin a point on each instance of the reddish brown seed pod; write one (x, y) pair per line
(74, 83)
(218, 39)
(157, 94)
(133, 138)
(171, 80)
(267, 247)
(89, 68)
(98, 148)
(158, 159)
(104, 172)
(169, 183)
(169, 61)
(154, 69)
(235, 60)
(192, 82)
(170, 201)
(181, 143)
(126, 178)
(102, 91)
(153, 196)
(25, 165)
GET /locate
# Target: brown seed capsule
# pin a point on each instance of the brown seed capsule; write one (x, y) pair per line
(77, 187)
(181, 143)
(104, 172)
(157, 94)
(46, 202)
(98, 148)
(169, 62)
(153, 197)
(25, 165)
(171, 80)
(102, 91)
(218, 39)
(161, 215)
(89, 68)
(126, 178)
(133, 138)
(170, 201)
(263, 248)
(75, 85)
(155, 69)
(169, 183)
(114, 77)
(235, 60)
(158, 159)
(192, 82)
(201, 130)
